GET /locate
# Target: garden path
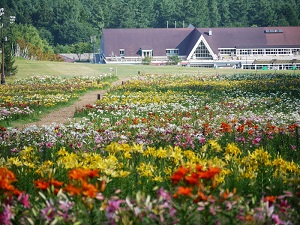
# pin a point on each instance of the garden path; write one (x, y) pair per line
(64, 115)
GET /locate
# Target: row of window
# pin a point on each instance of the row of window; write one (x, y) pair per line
(169, 52)
(260, 51)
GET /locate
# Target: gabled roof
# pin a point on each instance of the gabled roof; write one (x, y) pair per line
(252, 37)
(184, 39)
(158, 39)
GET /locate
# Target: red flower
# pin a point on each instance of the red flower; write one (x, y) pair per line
(226, 127)
(41, 184)
(270, 199)
(89, 190)
(193, 179)
(210, 173)
(72, 190)
(179, 174)
(186, 191)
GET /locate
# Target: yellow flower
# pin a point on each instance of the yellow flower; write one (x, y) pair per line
(149, 151)
(69, 161)
(113, 147)
(176, 153)
(137, 148)
(157, 179)
(232, 149)
(214, 145)
(122, 173)
(14, 161)
(62, 151)
(161, 153)
(127, 155)
(46, 166)
(146, 170)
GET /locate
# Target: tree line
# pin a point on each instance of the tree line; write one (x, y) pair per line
(62, 23)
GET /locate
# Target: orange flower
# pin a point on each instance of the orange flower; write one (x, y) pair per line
(41, 184)
(179, 174)
(72, 190)
(226, 127)
(186, 191)
(199, 167)
(56, 183)
(6, 178)
(135, 120)
(81, 174)
(270, 199)
(89, 190)
(241, 128)
(92, 173)
(201, 197)
(210, 173)
(76, 174)
(193, 179)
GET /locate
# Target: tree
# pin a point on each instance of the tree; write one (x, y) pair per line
(224, 13)
(9, 61)
(214, 13)
(80, 48)
(239, 13)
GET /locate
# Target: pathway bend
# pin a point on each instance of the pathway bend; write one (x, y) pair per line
(64, 114)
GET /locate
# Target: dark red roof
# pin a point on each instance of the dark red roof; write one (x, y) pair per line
(184, 39)
(158, 39)
(252, 37)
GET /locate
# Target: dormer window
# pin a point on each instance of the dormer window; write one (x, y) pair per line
(122, 52)
(172, 52)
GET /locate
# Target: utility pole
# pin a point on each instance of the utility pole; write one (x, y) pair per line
(93, 40)
(3, 40)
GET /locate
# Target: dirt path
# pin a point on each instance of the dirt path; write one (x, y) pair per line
(64, 115)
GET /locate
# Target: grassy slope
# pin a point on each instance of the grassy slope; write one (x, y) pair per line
(28, 68)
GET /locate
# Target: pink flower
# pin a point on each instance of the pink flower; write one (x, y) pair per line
(49, 212)
(24, 199)
(6, 216)
(256, 140)
(276, 219)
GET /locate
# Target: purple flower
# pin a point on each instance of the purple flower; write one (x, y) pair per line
(49, 212)
(24, 199)
(276, 219)
(6, 216)
(256, 140)
(112, 208)
(163, 194)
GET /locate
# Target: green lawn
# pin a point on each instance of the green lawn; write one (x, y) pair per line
(28, 68)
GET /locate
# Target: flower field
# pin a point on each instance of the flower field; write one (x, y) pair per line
(159, 149)
(28, 97)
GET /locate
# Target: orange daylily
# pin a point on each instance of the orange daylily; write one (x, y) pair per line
(184, 191)
(210, 173)
(179, 174)
(41, 184)
(72, 189)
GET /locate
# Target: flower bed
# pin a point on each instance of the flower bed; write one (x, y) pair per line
(162, 149)
(27, 97)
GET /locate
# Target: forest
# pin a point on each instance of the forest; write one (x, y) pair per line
(60, 23)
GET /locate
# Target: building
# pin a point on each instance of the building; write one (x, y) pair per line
(245, 47)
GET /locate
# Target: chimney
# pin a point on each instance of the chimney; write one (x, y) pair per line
(209, 32)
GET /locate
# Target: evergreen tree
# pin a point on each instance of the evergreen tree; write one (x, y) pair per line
(214, 13)
(224, 13)
(10, 68)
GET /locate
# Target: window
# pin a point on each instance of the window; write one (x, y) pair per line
(227, 51)
(171, 52)
(202, 52)
(122, 52)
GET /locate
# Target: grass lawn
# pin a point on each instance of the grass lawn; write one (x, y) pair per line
(27, 68)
